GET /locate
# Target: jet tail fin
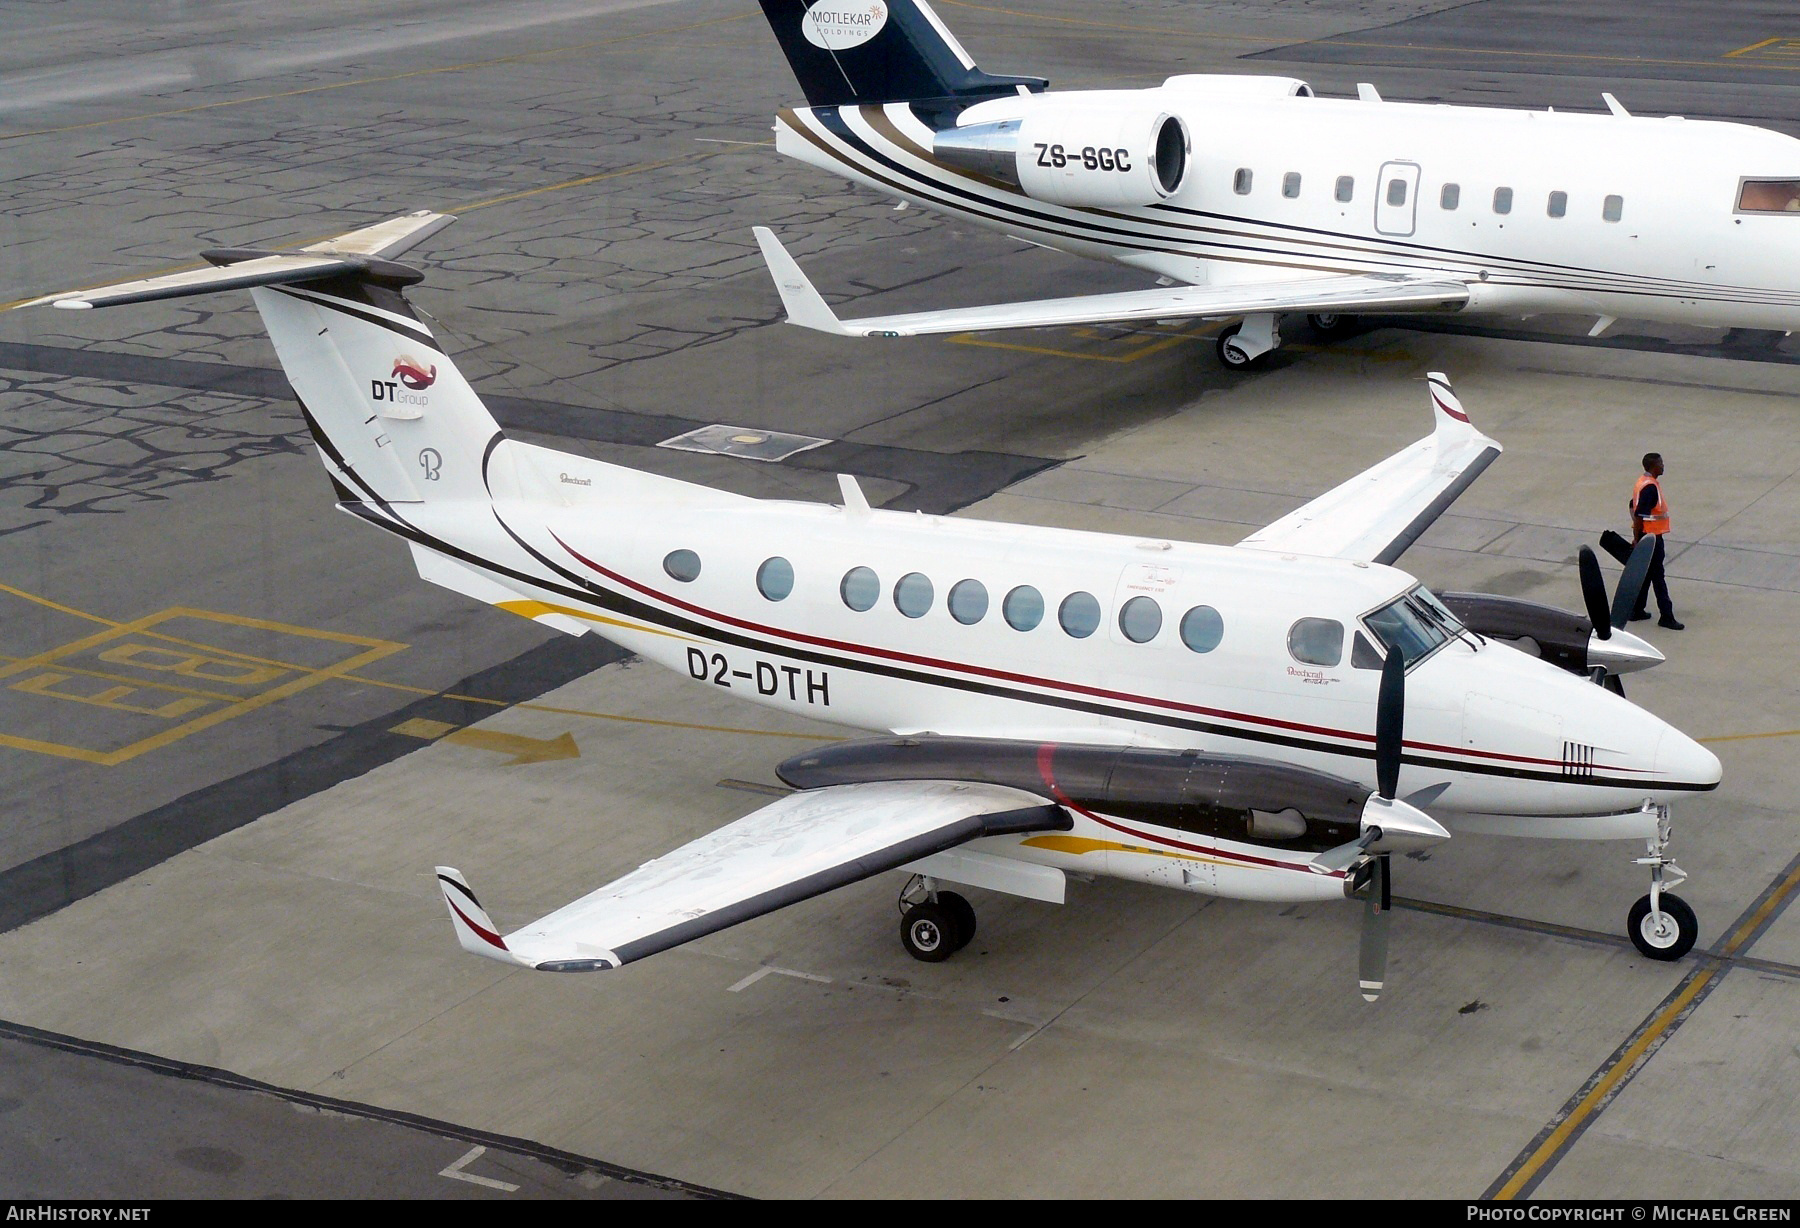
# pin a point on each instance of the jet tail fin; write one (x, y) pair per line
(846, 52)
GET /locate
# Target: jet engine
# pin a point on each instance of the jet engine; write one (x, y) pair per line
(1094, 157)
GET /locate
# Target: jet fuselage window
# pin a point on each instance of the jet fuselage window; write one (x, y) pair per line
(1613, 209)
(1023, 608)
(1290, 184)
(1558, 204)
(1396, 193)
(1140, 619)
(968, 602)
(1317, 641)
(860, 589)
(1451, 196)
(913, 594)
(1346, 188)
(1079, 615)
(775, 578)
(1414, 623)
(1502, 200)
(1240, 182)
(1202, 628)
(683, 565)
(1769, 196)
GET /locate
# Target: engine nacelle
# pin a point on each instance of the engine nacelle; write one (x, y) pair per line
(1237, 85)
(1091, 157)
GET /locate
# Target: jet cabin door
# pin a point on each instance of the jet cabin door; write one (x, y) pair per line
(1397, 198)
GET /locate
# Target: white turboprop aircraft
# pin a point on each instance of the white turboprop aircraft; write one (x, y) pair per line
(1263, 721)
(1257, 198)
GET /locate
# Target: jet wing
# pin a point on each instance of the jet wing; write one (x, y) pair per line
(1378, 513)
(1339, 294)
(793, 849)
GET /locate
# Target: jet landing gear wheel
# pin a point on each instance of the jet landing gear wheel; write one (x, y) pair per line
(1327, 324)
(1231, 354)
(1665, 933)
(962, 912)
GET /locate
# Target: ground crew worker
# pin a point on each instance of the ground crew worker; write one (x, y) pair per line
(1650, 515)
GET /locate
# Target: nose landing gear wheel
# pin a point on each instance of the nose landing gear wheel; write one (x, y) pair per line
(929, 932)
(1667, 933)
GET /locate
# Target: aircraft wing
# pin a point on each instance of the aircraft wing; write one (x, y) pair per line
(1333, 294)
(803, 845)
(1381, 511)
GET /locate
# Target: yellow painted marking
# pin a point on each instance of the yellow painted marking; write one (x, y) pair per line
(519, 58)
(1201, 36)
(57, 606)
(50, 682)
(639, 168)
(1161, 343)
(1747, 737)
(1752, 47)
(144, 683)
(1081, 845)
(419, 727)
(535, 609)
(1620, 1069)
(1662, 1023)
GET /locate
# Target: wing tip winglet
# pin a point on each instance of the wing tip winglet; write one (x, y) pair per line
(475, 930)
(803, 304)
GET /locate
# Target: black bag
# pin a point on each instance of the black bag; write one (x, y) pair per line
(1615, 545)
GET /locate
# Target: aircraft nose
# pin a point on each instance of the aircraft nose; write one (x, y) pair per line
(1681, 760)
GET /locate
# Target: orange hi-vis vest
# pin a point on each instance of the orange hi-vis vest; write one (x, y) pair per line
(1657, 522)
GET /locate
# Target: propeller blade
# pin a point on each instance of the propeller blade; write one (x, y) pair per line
(1345, 855)
(1615, 684)
(1372, 957)
(1631, 584)
(1390, 723)
(1593, 592)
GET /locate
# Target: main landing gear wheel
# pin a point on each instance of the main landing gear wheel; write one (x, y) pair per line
(928, 931)
(962, 912)
(1665, 933)
(1327, 323)
(1230, 353)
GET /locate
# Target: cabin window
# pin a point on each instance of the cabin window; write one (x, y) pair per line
(968, 602)
(775, 578)
(1451, 196)
(1290, 184)
(1140, 619)
(860, 589)
(1317, 641)
(1023, 608)
(1769, 196)
(1559, 204)
(1346, 188)
(912, 595)
(683, 565)
(1396, 193)
(1613, 209)
(1502, 200)
(1240, 182)
(1202, 628)
(1079, 615)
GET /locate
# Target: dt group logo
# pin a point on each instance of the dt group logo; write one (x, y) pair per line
(411, 373)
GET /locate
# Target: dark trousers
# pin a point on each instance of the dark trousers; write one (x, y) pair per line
(1654, 580)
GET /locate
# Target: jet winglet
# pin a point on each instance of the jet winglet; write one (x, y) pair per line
(802, 303)
(475, 930)
(1451, 421)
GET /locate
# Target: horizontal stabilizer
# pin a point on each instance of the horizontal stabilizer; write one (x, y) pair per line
(366, 251)
(1343, 294)
(795, 848)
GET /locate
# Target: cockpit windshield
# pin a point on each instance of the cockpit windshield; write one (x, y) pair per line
(1416, 624)
(1769, 196)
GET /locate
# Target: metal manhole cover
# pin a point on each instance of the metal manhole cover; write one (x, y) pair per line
(742, 441)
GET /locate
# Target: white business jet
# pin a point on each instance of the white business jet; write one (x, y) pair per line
(1248, 196)
(1268, 721)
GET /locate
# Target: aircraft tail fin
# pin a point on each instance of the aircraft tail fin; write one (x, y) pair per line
(867, 51)
(394, 419)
